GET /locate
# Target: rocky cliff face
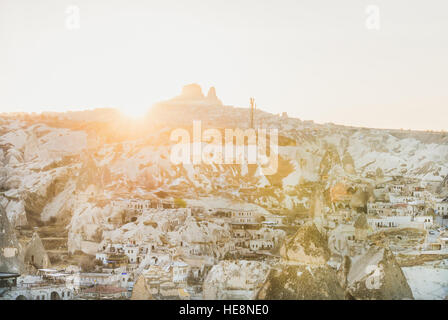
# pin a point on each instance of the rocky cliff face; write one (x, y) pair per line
(36, 163)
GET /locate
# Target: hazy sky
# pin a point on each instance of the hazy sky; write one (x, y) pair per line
(314, 59)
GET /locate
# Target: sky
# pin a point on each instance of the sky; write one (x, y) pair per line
(327, 61)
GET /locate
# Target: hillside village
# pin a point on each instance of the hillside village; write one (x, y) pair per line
(93, 209)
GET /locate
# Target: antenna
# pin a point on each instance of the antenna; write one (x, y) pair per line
(252, 111)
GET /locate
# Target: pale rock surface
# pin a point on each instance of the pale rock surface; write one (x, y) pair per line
(376, 275)
(228, 276)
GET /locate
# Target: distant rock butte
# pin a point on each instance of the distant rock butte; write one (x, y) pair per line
(192, 93)
(212, 97)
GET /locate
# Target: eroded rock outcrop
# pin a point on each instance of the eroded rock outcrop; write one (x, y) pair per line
(443, 187)
(35, 253)
(376, 275)
(302, 283)
(329, 160)
(235, 279)
(304, 273)
(10, 257)
(212, 98)
(348, 163)
(307, 246)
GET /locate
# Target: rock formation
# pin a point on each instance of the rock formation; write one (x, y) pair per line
(212, 98)
(329, 160)
(376, 275)
(359, 199)
(307, 246)
(443, 187)
(304, 273)
(348, 163)
(191, 92)
(361, 227)
(302, 283)
(235, 279)
(10, 257)
(35, 253)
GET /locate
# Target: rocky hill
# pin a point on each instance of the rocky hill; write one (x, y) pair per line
(65, 167)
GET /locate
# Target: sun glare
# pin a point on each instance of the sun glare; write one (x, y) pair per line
(134, 112)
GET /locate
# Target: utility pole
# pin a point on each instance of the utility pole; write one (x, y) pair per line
(253, 107)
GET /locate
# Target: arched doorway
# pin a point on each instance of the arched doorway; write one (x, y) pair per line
(55, 296)
(21, 297)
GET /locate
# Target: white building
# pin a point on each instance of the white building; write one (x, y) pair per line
(102, 257)
(273, 220)
(441, 207)
(418, 222)
(261, 244)
(131, 251)
(379, 208)
(244, 217)
(132, 204)
(82, 279)
(426, 220)
(396, 188)
(180, 271)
